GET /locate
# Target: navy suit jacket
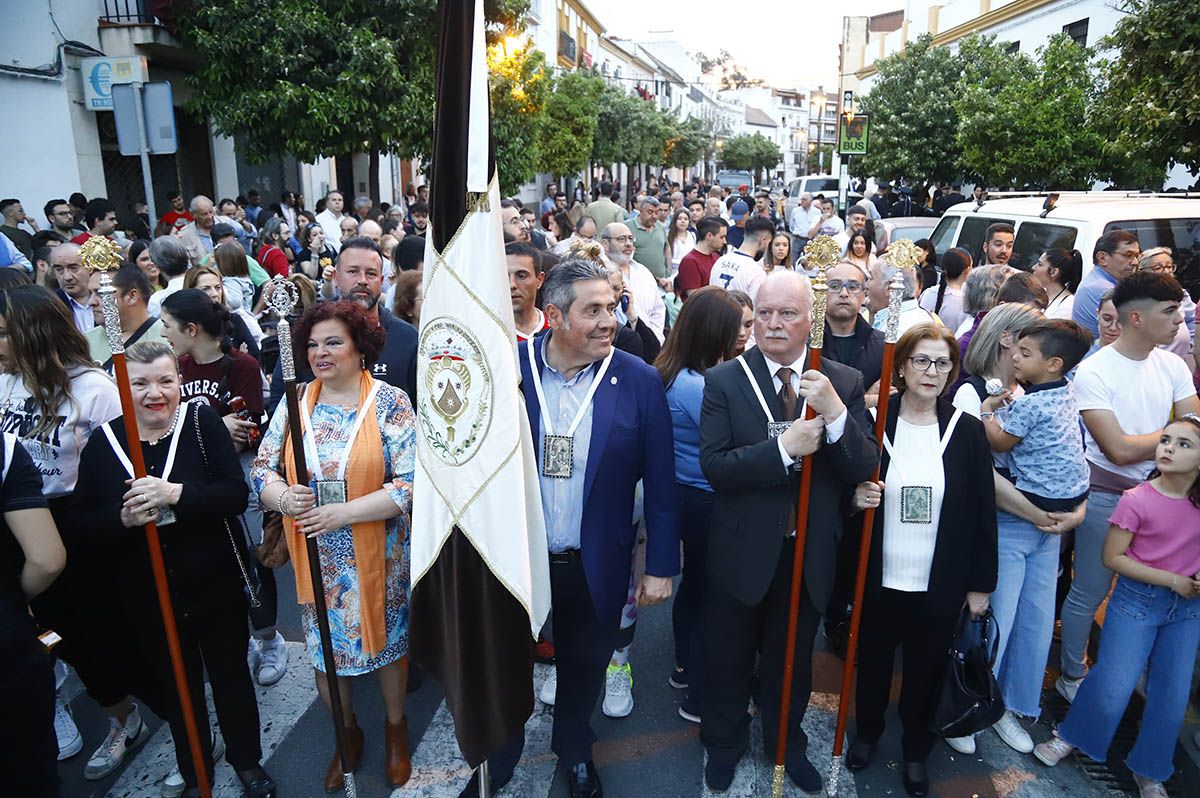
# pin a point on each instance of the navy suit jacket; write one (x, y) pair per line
(631, 439)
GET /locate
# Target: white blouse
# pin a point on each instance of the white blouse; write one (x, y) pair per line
(916, 460)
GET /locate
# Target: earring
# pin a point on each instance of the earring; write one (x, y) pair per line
(362, 361)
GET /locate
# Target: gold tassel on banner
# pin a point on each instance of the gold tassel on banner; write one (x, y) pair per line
(478, 201)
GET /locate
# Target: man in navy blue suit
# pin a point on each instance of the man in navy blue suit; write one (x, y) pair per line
(600, 423)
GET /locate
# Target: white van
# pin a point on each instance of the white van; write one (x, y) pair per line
(814, 185)
(1076, 221)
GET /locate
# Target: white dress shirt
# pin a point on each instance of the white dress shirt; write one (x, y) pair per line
(329, 224)
(646, 297)
(833, 428)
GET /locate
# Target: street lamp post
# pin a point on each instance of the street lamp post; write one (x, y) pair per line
(820, 129)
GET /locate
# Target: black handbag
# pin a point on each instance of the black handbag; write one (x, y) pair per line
(970, 699)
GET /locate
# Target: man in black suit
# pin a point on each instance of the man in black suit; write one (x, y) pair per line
(752, 541)
(945, 201)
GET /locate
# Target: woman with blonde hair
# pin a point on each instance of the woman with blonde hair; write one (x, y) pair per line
(247, 334)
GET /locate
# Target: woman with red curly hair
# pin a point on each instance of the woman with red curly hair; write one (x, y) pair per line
(359, 434)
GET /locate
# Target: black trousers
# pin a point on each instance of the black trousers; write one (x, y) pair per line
(265, 616)
(896, 620)
(687, 621)
(212, 640)
(838, 609)
(28, 747)
(80, 607)
(583, 646)
(735, 633)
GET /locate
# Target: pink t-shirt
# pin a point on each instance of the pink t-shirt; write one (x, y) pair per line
(1166, 531)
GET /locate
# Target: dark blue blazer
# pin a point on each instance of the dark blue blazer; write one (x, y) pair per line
(631, 440)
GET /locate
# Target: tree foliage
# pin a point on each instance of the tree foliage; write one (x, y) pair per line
(1150, 106)
(913, 120)
(569, 127)
(321, 77)
(729, 73)
(1023, 121)
(752, 153)
(629, 130)
(520, 87)
(692, 142)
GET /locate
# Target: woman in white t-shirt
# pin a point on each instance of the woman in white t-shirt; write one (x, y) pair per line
(946, 298)
(1059, 271)
(53, 397)
(680, 239)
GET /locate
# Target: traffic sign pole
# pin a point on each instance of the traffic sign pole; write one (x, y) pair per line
(144, 154)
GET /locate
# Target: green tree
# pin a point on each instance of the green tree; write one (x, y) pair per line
(321, 77)
(752, 153)
(569, 128)
(520, 88)
(731, 74)
(1149, 112)
(913, 121)
(692, 142)
(1023, 121)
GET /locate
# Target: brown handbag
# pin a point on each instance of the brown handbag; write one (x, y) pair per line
(273, 551)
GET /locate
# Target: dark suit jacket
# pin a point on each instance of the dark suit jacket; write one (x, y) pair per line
(867, 357)
(631, 440)
(755, 495)
(965, 556)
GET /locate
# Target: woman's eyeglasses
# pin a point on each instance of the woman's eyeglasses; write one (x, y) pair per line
(923, 362)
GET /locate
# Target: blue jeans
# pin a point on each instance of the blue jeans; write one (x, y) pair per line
(1144, 623)
(1090, 583)
(1023, 603)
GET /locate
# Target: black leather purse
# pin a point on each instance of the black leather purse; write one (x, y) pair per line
(970, 699)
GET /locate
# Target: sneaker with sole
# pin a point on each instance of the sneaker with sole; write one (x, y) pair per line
(1013, 733)
(274, 660)
(549, 688)
(1053, 751)
(253, 658)
(689, 711)
(1148, 788)
(173, 785)
(70, 741)
(1067, 688)
(618, 691)
(678, 678)
(121, 739)
(964, 745)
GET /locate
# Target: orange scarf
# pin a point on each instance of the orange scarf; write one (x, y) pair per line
(364, 475)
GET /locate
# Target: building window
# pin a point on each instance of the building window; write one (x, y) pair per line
(1078, 32)
(1012, 48)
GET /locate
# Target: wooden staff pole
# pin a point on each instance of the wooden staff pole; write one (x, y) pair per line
(904, 254)
(99, 254)
(283, 298)
(821, 252)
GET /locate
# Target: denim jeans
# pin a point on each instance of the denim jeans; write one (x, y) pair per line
(1144, 623)
(1090, 583)
(1023, 603)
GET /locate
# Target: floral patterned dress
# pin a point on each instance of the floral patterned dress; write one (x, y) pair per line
(331, 428)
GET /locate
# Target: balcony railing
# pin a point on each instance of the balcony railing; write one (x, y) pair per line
(128, 12)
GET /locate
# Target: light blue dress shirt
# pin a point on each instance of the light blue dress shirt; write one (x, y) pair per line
(562, 499)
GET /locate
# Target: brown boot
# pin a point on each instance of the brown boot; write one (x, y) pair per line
(354, 749)
(397, 761)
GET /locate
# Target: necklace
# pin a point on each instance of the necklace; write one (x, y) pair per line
(166, 434)
(1062, 291)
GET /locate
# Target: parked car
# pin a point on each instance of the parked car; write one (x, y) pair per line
(814, 185)
(913, 228)
(729, 178)
(1076, 221)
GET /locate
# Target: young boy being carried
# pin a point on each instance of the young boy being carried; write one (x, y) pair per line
(1041, 428)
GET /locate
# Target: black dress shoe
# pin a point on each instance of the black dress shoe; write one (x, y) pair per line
(495, 784)
(859, 756)
(584, 781)
(257, 783)
(803, 774)
(916, 779)
(718, 775)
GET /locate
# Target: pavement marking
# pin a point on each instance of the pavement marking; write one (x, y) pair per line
(439, 770)
(280, 707)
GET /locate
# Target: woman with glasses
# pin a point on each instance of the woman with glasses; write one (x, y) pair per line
(933, 552)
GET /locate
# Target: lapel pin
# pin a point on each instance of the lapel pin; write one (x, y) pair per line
(614, 380)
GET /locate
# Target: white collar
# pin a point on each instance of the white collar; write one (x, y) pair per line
(798, 367)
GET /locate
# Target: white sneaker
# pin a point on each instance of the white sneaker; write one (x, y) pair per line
(964, 745)
(173, 785)
(1053, 751)
(121, 740)
(549, 688)
(618, 691)
(253, 657)
(1013, 733)
(274, 660)
(1148, 788)
(1067, 688)
(70, 741)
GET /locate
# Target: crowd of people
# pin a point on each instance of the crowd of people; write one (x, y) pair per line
(1042, 444)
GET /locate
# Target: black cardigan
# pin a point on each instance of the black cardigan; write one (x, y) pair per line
(965, 555)
(201, 568)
